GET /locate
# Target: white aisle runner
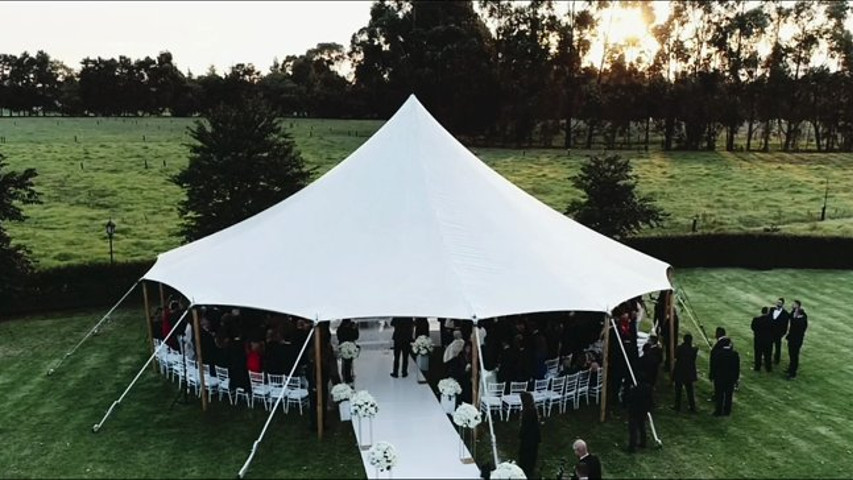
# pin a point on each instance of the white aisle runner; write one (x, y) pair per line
(410, 418)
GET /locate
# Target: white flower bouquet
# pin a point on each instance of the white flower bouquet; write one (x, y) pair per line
(508, 470)
(467, 416)
(449, 387)
(422, 345)
(383, 456)
(349, 350)
(341, 392)
(362, 404)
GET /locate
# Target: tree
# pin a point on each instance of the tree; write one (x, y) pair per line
(611, 205)
(16, 189)
(243, 162)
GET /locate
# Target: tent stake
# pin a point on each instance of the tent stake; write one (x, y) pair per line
(93, 330)
(281, 394)
(98, 425)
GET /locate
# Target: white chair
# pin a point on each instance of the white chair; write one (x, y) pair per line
(553, 367)
(211, 382)
(583, 386)
(512, 401)
(540, 387)
(260, 389)
(491, 400)
(554, 395)
(571, 391)
(276, 384)
(223, 386)
(595, 389)
(296, 395)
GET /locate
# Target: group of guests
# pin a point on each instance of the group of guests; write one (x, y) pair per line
(772, 326)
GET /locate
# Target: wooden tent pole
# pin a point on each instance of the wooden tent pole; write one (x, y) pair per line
(318, 379)
(670, 307)
(148, 320)
(475, 366)
(162, 297)
(198, 354)
(605, 365)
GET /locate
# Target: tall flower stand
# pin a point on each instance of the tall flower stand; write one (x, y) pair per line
(448, 402)
(463, 455)
(361, 444)
(344, 410)
(423, 366)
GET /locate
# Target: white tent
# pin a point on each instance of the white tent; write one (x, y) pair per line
(410, 224)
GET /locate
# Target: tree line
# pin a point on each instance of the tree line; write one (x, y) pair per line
(730, 74)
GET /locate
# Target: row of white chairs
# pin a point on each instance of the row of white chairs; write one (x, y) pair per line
(265, 387)
(547, 393)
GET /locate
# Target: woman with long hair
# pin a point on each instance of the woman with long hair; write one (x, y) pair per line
(529, 435)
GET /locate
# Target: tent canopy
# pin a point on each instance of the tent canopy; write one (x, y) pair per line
(410, 224)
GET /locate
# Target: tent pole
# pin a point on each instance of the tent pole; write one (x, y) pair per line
(162, 297)
(670, 309)
(488, 410)
(605, 365)
(94, 329)
(274, 409)
(98, 425)
(633, 378)
(318, 379)
(198, 352)
(475, 366)
(148, 320)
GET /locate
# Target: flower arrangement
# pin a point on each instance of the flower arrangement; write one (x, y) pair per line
(383, 456)
(508, 470)
(449, 387)
(349, 350)
(422, 345)
(341, 392)
(362, 404)
(467, 416)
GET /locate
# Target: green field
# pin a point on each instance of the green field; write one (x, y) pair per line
(797, 429)
(729, 192)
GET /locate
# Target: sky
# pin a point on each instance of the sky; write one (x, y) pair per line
(198, 34)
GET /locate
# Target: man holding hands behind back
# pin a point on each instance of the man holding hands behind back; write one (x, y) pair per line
(779, 320)
(796, 335)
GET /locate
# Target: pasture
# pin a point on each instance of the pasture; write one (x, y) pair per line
(778, 428)
(93, 169)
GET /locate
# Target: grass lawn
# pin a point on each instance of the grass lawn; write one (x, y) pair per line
(797, 429)
(729, 192)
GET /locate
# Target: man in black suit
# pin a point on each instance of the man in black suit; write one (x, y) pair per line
(591, 463)
(639, 400)
(651, 360)
(726, 366)
(762, 339)
(685, 372)
(779, 319)
(796, 335)
(719, 334)
(402, 337)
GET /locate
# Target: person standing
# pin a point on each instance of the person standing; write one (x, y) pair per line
(639, 400)
(402, 337)
(779, 321)
(719, 334)
(796, 335)
(591, 462)
(685, 372)
(762, 340)
(726, 366)
(651, 360)
(529, 435)
(347, 332)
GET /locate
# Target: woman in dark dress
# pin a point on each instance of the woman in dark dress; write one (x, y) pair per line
(529, 436)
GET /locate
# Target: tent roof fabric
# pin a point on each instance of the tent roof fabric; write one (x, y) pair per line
(410, 224)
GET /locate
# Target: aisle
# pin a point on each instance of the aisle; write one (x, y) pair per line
(410, 418)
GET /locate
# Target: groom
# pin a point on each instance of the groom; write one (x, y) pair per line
(403, 328)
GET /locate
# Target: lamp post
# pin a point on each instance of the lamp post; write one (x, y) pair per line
(111, 230)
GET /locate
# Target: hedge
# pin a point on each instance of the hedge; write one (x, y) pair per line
(101, 285)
